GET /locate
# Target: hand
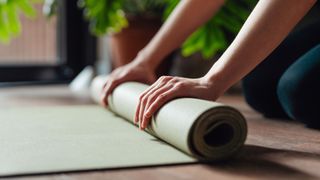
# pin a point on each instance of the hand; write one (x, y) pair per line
(134, 71)
(167, 88)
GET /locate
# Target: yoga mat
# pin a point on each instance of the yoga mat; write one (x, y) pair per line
(74, 138)
(40, 140)
(202, 129)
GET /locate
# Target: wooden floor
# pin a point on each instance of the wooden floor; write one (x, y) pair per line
(274, 149)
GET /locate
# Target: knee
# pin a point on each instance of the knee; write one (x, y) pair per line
(288, 96)
(298, 89)
(297, 100)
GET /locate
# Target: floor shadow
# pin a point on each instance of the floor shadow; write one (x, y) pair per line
(257, 161)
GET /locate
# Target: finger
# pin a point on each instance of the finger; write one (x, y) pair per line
(161, 82)
(109, 88)
(136, 117)
(142, 103)
(165, 83)
(136, 114)
(139, 106)
(152, 97)
(151, 92)
(141, 109)
(109, 83)
(158, 103)
(103, 93)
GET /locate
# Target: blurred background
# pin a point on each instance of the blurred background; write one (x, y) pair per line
(52, 41)
(36, 44)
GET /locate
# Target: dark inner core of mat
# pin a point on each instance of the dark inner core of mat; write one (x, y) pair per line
(219, 136)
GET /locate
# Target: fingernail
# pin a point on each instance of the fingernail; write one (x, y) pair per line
(141, 126)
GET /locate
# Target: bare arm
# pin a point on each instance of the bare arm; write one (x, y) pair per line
(266, 27)
(187, 16)
(185, 19)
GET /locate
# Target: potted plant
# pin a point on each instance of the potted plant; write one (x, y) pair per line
(132, 23)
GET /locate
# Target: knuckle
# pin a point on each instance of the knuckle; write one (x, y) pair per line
(151, 109)
(179, 85)
(150, 98)
(115, 81)
(146, 116)
(116, 71)
(161, 78)
(125, 74)
(172, 81)
(144, 100)
(161, 97)
(166, 78)
(141, 97)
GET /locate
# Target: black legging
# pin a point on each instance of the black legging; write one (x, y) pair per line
(287, 83)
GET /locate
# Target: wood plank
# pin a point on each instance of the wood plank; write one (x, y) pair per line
(274, 148)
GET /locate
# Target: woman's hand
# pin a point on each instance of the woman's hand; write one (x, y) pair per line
(134, 71)
(167, 88)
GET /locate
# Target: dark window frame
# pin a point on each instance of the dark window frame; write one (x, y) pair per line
(76, 50)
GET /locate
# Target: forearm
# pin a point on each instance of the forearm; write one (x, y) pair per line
(269, 23)
(186, 18)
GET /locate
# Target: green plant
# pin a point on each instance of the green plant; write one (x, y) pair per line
(107, 16)
(110, 16)
(10, 25)
(211, 38)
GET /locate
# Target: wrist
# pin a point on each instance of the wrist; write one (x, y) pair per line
(215, 83)
(148, 58)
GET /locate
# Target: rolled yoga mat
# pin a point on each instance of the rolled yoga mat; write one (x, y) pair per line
(39, 140)
(202, 129)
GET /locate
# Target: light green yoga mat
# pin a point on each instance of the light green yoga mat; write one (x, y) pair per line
(74, 138)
